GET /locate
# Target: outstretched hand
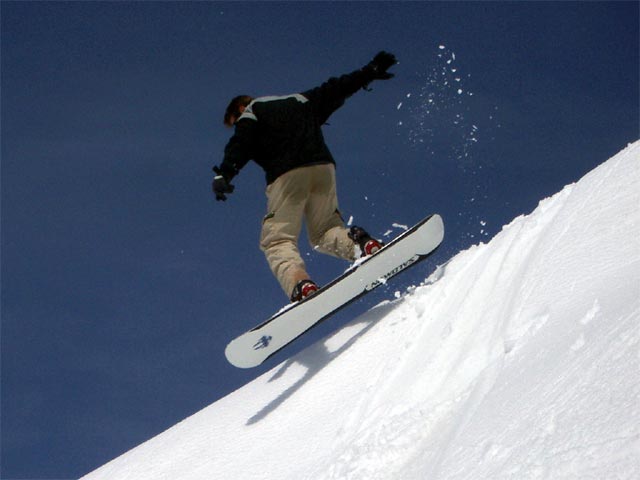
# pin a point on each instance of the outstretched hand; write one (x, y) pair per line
(381, 63)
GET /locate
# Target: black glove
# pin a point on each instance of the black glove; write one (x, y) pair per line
(380, 64)
(221, 186)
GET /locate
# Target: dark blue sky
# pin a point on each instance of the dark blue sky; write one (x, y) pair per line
(123, 279)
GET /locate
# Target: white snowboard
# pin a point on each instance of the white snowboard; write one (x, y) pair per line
(255, 346)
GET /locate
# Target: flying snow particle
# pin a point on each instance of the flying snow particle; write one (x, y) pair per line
(398, 225)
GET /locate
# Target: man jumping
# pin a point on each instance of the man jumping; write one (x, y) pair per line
(283, 135)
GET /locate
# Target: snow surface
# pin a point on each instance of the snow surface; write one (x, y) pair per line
(516, 359)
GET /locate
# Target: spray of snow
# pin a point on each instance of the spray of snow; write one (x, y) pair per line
(445, 122)
(440, 109)
(516, 359)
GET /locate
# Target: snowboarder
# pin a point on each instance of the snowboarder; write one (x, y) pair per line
(283, 135)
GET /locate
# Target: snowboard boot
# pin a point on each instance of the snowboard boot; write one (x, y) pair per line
(303, 289)
(368, 245)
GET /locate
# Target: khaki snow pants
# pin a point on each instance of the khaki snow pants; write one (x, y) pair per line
(309, 194)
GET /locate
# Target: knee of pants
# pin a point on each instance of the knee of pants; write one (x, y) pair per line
(274, 235)
(319, 227)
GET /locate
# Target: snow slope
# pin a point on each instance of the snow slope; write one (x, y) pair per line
(517, 359)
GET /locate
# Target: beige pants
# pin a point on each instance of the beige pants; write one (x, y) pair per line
(307, 193)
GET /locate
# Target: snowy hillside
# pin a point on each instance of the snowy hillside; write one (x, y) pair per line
(517, 359)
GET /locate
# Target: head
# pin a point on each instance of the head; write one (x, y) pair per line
(235, 109)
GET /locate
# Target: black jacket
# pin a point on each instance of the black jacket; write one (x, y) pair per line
(283, 133)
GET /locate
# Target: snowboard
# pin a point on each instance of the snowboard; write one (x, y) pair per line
(261, 342)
